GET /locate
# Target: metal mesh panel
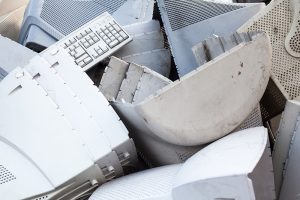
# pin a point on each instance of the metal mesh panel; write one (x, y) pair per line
(68, 15)
(5, 175)
(276, 21)
(253, 120)
(273, 102)
(183, 13)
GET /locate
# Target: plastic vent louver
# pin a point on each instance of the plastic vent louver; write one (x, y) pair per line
(5, 175)
(68, 10)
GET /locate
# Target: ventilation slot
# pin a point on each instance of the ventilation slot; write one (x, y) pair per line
(5, 175)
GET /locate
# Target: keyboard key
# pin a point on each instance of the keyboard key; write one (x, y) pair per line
(81, 64)
(105, 38)
(116, 27)
(105, 49)
(96, 39)
(91, 42)
(72, 48)
(124, 35)
(113, 43)
(79, 52)
(120, 39)
(72, 53)
(88, 60)
(96, 55)
(68, 43)
(88, 31)
(100, 52)
(85, 44)
(102, 34)
(72, 40)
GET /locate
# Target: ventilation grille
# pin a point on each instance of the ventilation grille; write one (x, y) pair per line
(183, 13)
(276, 22)
(42, 198)
(273, 102)
(5, 175)
(184, 155)
(253, 120)
(68, 15)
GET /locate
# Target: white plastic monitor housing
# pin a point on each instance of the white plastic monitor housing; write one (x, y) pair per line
(241, 156)
(35, 142)
(93, 156)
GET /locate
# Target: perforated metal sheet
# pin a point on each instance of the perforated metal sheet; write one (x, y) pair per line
(82, 11)
(183, 13)
(276, 21)
(273, 102)
(5, 175)
(253, 120)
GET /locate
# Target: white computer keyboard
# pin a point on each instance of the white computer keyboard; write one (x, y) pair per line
(92, 42)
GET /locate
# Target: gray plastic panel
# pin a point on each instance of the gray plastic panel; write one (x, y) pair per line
(184, 30)
(290, 187)
(13, 54)
(158, 60)
(3, 73)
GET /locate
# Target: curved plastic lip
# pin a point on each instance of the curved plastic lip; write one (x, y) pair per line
(292, 44)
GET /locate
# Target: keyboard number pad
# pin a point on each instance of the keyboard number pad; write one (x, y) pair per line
(112, 34)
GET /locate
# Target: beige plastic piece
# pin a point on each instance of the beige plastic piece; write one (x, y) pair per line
(11, 17)
(276, 20)
(209, 102)
(292, 41)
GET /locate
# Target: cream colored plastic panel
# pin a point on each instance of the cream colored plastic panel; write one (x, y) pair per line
(11, 17)
(214, 99)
